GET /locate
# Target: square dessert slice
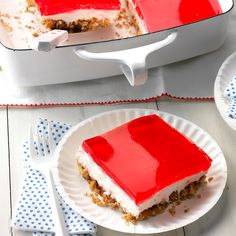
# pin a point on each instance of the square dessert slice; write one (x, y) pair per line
(143, 164)
(77, 15)
(153, 15)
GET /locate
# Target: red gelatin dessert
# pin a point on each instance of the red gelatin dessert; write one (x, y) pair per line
(156, 15)
(143, 164)
(146, 15)
(77, 15)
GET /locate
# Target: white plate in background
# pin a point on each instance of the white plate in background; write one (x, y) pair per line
(73, 187)
(226, 73)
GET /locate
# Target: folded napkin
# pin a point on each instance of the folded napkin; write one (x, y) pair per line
(230, 92)
(33, 212)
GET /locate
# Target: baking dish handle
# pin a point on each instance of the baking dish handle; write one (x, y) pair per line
(132, 61)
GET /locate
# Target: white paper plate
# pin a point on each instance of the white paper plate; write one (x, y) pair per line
(73, 187)
(226, 72)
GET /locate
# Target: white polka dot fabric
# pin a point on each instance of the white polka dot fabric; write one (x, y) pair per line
(231, 111)
(33, 212)
(230, 92)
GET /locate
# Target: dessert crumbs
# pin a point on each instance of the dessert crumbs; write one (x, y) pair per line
(117, 35)
(210, 179)
(118, 25)
(104, 199)
(172, 210)
(30, 3)
(29, 27)
(30, 10)
(6, 25)
(35, 34)
(186, 210)
(6, 15)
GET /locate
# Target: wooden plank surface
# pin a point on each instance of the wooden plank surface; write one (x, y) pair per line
(5, 200)
(221, 220)
(70, 115)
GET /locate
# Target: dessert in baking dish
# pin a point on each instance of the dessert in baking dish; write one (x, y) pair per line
(142, 167)
(77, 15)
(155, 15)
(146, 15)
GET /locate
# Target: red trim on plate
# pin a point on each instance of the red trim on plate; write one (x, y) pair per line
(111, 102)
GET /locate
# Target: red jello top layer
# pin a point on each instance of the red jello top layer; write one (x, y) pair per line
(146, 155)
(52, 7)
(164, 14)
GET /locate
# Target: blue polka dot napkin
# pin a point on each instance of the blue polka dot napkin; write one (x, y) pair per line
(231, 111)
(230, 92)
(33, 212)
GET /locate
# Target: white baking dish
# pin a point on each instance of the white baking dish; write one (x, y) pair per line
(132, 56)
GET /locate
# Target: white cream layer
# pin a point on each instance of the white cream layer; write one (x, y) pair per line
(84, 14)
(119, 195)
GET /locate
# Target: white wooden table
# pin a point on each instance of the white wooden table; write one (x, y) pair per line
(15, 123)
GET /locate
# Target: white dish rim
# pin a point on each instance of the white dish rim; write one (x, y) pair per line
(221, 100)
